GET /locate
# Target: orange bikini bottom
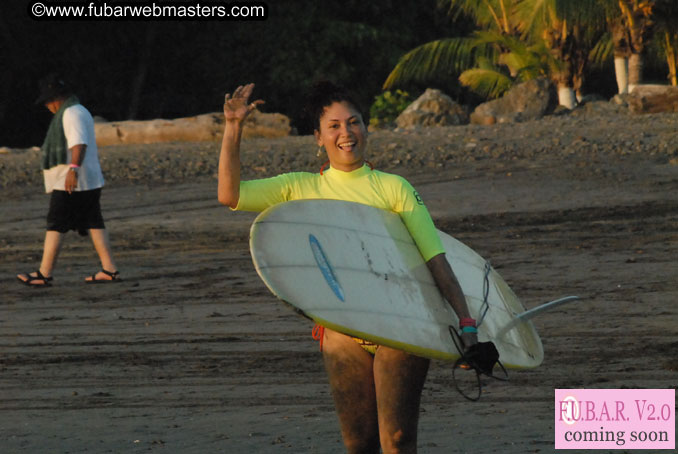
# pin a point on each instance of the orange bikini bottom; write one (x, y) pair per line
(319, 333)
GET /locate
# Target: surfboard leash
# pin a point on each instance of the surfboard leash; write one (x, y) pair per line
(486, 293)
(481, 358)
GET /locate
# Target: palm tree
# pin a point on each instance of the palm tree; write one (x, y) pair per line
(446, 57)
(518, 62)
(666, 35)
(524, 39)
(452, 56)
(670, 45)
(630, 24)
(569, 30)
(639, 19)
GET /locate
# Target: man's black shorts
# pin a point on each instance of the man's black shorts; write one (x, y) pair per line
(79, 211)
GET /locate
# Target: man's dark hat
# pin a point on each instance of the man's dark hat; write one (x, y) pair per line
(52, 87)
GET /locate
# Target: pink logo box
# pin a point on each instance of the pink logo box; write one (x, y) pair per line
(615, 419)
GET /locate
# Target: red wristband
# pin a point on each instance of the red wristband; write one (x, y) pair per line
(466, 321)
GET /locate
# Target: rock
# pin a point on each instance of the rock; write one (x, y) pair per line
(482, 119)
(529, 100)
(561, 110)
(601, 108)
(653, 99)
(201, 128)
(433, 108)
(373, 126)
(620, 100)
(516, 117)
(592, 97)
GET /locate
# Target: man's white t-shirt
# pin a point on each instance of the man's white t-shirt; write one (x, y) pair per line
(78, 129)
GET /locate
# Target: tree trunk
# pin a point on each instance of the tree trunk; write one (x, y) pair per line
(561, 46)
(621, 39)
(635, 70)
(621, 70)
(671, 58)
(640, 30)
(566, 97)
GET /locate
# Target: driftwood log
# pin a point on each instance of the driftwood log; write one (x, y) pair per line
(201, 128)
(653, 99)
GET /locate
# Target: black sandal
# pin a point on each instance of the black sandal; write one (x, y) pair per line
(38, 277)
(114, 277)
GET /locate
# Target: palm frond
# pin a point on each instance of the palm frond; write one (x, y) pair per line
(531, 17)
(590, 12)
(489, 83)
(602, 51)
(486, 63)
(529, 73)
(486, 14)
(441, 58)
(535, 16)
(481, 37)
(524, 65)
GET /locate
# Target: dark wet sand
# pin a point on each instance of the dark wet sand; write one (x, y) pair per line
(192, 354)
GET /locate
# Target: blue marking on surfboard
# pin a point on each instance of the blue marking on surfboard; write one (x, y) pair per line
(325, 267)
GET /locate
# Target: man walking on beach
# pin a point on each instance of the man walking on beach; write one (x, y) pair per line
(73, 176)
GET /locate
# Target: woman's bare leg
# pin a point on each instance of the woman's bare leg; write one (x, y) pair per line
(399, 380)
(349, 368)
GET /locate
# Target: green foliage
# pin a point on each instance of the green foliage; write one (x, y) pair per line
(445, 56)
(518, 62)
(603, 51)
(489, 81)
(170, 69)
(387, 106)
(514, 41)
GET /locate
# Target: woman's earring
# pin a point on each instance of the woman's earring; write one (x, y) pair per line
(320, 151)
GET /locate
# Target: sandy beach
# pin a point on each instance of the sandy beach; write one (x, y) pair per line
(192, 354)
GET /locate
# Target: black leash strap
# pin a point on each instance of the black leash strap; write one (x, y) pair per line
(481, 358)
(486, 293)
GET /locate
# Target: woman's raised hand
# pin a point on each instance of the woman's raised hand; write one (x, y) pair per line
(237, 106)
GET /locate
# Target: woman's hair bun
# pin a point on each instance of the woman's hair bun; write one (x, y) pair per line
(322, 94)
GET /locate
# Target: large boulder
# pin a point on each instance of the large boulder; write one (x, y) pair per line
(529, 100)
(201, 128)
(653, 99)
(433, 108)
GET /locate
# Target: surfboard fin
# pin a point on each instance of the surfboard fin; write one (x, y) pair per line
(527, 315)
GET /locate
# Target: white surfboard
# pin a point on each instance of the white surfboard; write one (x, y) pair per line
(355, 269)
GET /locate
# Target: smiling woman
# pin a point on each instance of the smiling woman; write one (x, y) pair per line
(343, 136)
(376, 389)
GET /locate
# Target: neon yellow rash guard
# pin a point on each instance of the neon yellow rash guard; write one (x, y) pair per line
(364, 185)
